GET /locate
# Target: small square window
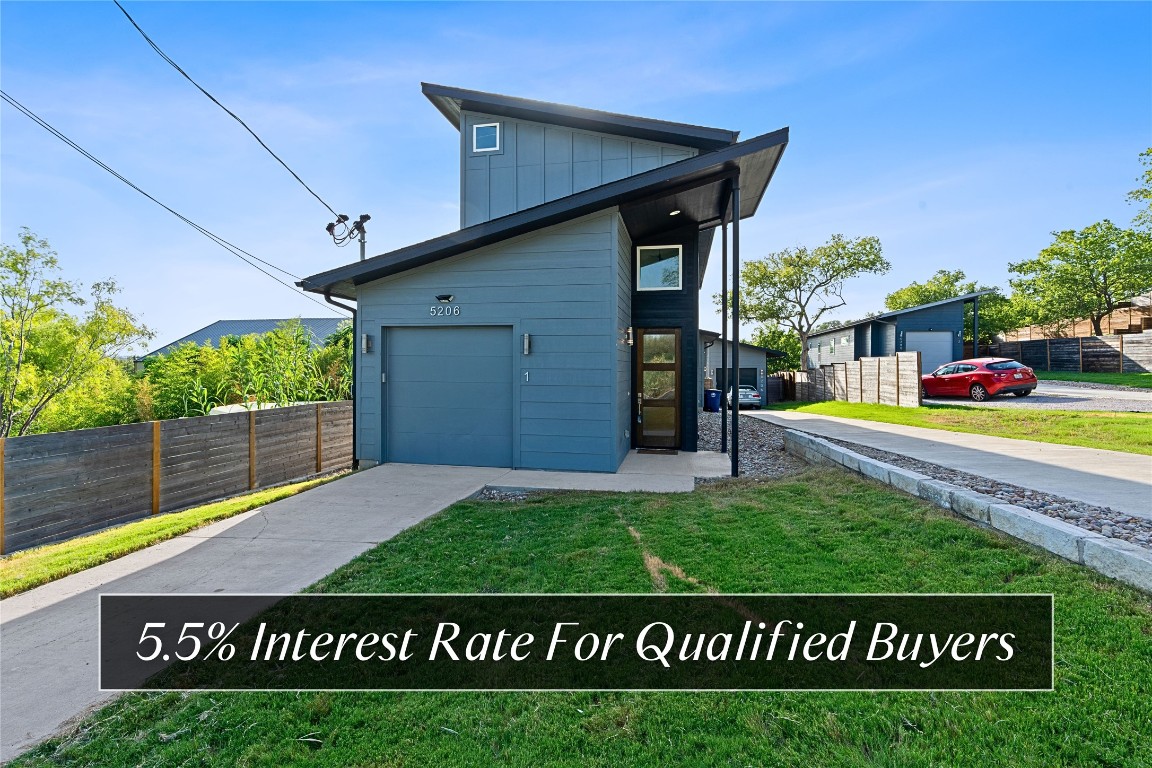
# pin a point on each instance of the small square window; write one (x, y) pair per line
(658, 268)
(486, 137)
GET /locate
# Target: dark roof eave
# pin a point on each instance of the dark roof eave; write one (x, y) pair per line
(702, 168)
(450, 101)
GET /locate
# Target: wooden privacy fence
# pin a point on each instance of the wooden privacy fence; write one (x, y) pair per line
(63, 484)
(1122, 353)
(893, 380)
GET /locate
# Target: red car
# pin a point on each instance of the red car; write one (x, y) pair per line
(980, 379)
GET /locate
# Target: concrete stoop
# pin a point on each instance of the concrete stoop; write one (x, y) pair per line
(1114, 558)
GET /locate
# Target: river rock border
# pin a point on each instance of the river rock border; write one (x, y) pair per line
(1114, 558)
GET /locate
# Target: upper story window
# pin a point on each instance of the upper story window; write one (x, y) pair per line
(486, 137)
(658, 267)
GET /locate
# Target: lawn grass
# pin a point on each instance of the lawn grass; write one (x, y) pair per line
(1143, 380)
(823, 531)
(1127, 432)
(30, 568)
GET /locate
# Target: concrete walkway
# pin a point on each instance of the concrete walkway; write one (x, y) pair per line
(1122, 481)
(48, 650)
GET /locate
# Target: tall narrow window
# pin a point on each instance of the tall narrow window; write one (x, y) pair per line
(486, 137)
(658, 268)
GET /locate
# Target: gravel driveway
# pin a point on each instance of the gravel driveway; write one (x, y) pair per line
(1064, 396)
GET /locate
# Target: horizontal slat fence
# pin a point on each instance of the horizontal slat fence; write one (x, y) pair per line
(893, 380)
(1127, 353)
(63, 484)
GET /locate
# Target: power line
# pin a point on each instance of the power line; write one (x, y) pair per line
(217, 103)
(236, 251)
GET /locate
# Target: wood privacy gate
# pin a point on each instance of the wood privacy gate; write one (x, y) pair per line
(62, 484)
(893, 380)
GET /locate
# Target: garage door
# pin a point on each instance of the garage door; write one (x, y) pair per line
(935, 348)
(448, 396)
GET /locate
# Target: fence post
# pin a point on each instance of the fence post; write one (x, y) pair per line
(319, 440)
(897, 379)
(1081, 340)
(1121, 370)
(155, 467)
(251, 450)
(2, 441)
(1048, 352)
(860, 374)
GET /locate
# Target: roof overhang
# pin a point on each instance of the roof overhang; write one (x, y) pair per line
(452, 101)
(699, 188)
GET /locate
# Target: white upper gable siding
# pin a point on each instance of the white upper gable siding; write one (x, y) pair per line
(538, 163)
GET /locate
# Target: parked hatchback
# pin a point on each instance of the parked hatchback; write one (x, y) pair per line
(980, 379)
(749, 397)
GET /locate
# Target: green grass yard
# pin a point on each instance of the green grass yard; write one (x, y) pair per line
(1143, 380)
(823, 531)
(1128, 432)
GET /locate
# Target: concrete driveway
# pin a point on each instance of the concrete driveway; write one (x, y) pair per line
(1122, 481)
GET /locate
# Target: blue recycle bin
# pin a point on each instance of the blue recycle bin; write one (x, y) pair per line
(712, 400)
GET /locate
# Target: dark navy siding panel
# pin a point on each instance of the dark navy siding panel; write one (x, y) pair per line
(550, 162)
(677, 309)
(623, 409)
(947, 317)
(558, 285)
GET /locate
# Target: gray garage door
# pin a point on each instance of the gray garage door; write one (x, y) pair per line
(935, 348)
(449, 396)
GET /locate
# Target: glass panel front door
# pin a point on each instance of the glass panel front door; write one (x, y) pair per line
(658, 388)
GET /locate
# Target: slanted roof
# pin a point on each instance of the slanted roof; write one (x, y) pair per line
(699, 187)
(774, 353)
(451, 101)
(897, 312)
(318, 327)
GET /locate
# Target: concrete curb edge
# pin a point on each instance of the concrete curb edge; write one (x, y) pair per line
(1114, 558)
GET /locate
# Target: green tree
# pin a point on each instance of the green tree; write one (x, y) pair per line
(1085, 274)
(774, 337)
(797, 286)
(1142, 195)
(44, 350)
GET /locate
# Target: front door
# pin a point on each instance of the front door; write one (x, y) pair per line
(658, 388)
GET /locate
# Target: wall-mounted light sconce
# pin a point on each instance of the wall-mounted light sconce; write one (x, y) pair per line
(628, 338)
(527, 343)
(675, 212)
(445, 298)
(366, 343)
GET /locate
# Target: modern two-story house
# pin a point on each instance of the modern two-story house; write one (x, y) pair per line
(558, 328)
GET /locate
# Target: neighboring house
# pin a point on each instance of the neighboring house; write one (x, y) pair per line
(319, 328)
(520, 340)
(753, 364)
(936, 330)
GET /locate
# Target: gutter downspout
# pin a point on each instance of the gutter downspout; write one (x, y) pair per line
(355, 442)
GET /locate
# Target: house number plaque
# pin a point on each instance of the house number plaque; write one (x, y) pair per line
(443, 310)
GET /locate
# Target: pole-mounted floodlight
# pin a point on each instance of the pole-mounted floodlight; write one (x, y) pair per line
(342, 233)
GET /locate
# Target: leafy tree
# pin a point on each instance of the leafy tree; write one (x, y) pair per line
(44, 350)
(107, 398)
(798, 286)
(1086, 273)
(1143, 194)
(781, 340)
(997, 313)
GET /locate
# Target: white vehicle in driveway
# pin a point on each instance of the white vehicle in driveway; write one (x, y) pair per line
(749, 397)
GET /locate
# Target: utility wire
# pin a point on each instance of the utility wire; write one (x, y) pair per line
(217, 103)
(236, 251)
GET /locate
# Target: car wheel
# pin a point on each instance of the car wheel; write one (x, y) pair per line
(1023, 393)
(978, 393)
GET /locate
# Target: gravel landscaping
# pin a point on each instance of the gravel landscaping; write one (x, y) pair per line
(761, 446)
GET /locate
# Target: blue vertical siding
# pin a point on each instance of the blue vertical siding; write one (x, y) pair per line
(623, 320)
(538, 163)
(561, 286)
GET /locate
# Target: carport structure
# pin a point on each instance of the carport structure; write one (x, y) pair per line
(557, 329)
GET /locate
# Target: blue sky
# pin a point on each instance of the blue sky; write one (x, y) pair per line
(960, 134)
